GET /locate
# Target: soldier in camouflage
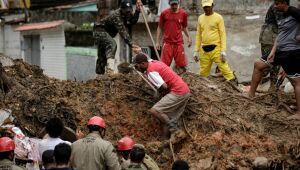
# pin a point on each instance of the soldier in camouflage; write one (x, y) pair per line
(108, 27)
(267, 37)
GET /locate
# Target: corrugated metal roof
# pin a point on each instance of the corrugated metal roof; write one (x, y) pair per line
(40, 26)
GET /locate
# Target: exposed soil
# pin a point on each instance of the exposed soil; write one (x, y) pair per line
(223, 129)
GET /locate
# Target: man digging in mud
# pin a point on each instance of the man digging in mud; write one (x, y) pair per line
(285, 52)
(169, 109)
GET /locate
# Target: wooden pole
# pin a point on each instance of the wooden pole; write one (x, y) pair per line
(148, 28)
(152, 87)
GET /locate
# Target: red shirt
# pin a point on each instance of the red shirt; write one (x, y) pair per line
(172, 24)
(159, 73)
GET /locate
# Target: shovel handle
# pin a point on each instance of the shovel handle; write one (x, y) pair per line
(148, 28)
(152, 87)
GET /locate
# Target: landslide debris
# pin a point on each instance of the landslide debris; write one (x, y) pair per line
(223, 129)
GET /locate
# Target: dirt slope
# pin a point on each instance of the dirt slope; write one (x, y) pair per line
(224, 130)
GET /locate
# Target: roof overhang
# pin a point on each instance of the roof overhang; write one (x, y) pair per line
(88, 5)
(40, 26)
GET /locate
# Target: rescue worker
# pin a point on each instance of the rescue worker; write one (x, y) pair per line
(108, 27)
(211, 42)
(125, 145)
(7, 147)
(176, 92)
(137, 156)
(93, 152)
(268, 34)
(172, 22)
(285, 52)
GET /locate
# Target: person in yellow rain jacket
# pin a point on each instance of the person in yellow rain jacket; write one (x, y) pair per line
(211, 42)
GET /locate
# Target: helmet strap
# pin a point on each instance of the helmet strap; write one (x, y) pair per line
(102, 132)
(11, 155)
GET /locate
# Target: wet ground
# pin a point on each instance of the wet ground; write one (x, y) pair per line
(222, 129)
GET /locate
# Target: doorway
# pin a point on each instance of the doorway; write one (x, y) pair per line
(32, 49)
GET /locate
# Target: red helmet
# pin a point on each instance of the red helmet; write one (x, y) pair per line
(98, 121)
(7, 144)
(126, 143)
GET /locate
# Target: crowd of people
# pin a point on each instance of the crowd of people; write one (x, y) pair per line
(90, 152)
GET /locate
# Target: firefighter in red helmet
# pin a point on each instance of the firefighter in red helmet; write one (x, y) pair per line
(7, 147)
(93, 152)
(124, 147)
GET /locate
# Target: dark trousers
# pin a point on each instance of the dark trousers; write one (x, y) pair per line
(107, 48)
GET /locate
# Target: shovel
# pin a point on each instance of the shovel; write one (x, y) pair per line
(147, 81)
(148, 28)
(125, 68)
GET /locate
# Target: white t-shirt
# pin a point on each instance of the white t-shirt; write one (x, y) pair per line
(156, 79)
(49, 144)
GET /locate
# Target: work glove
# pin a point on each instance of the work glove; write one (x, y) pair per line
(196, 56)
(223, 56)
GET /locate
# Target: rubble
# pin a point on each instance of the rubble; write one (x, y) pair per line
(220, 124)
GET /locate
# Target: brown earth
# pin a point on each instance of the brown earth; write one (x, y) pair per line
(223, 130)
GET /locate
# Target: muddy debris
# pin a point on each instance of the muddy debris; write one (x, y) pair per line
(223, 129)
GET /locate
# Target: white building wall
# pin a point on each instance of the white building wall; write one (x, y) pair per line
(11, 39)
(53, 55)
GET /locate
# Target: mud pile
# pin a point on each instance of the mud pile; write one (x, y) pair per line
(223, 130)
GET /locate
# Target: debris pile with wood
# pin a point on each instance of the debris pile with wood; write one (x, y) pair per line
(222, 129)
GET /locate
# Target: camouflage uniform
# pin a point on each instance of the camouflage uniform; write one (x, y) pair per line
(94, 153)
(135, 167)
(105, 30)
(147, 164)
(6, 164)
(267, 38)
